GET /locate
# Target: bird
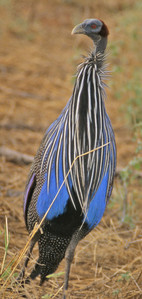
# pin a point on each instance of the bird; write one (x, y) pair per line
(73, 171)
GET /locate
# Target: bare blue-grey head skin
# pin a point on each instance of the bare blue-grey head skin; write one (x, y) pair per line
(96, 30)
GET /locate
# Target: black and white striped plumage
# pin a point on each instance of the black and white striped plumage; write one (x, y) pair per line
(82, 126)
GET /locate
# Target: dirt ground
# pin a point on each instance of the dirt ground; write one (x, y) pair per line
(38, 59)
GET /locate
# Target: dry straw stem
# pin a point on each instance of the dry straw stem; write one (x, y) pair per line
(6, 244)
(38, 226)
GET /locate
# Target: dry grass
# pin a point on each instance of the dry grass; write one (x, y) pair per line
(37, 60)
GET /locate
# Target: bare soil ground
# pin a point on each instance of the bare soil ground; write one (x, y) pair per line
(38, 58)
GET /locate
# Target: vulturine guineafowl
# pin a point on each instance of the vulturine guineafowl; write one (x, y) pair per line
(82, 127)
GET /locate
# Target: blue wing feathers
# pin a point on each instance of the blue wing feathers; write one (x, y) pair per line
(29, 191)
(46, 196)
(98, 203)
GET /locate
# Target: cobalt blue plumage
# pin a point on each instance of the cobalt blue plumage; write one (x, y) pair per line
(82, 127)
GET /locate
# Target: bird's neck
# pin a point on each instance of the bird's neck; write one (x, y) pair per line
(87, 106)
(100, 44)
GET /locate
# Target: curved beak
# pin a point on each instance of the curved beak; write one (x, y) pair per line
(78, 29)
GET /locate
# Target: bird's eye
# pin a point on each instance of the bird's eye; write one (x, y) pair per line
(93, 26)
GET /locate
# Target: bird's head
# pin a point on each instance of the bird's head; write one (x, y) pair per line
(95, 29)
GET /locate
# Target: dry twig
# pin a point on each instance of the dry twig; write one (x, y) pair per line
(14, 156)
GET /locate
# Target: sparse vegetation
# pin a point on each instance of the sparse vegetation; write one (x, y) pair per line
(37, 59)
